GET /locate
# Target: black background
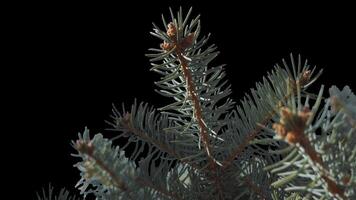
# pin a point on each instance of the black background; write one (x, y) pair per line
(74, 60)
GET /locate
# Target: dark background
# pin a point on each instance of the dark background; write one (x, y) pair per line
(75, 60)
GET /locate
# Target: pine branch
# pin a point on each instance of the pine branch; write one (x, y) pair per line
(266, 100)
(272, 146)
(297, 129)
(100, 163)
(113, 176)
(143, 123)
(88, 150)
(192, 94)
(188, 80)
(183, 58)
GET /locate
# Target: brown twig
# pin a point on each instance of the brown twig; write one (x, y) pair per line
(198, 115)
(316, 158)
(180, 46)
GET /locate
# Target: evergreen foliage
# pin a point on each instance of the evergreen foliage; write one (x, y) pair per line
(280, 141)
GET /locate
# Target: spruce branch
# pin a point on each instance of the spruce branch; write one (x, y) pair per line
(97, 167)
(271, 146)
(113, 176)
(291, 128)
(88, 150)
(128, 123)
(179, 47)
(309, 159)
(183, 59)
(189, 81)
(275, 88)
(143, 123)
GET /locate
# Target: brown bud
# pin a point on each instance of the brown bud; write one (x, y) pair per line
(172, 30)
(292, 137)
(285, 113)
(280, 130)
(166, 46)
(291, 125)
